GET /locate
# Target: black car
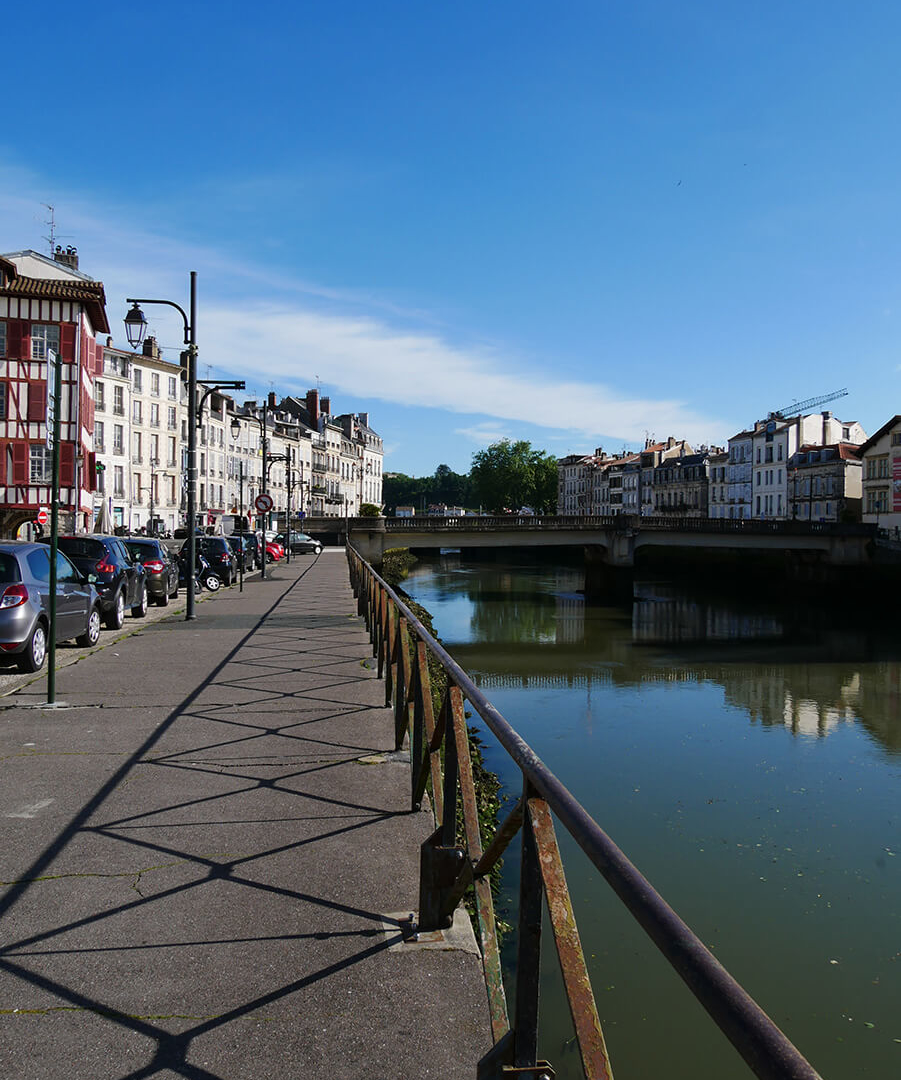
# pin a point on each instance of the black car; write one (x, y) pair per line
(252, 540)
(119, 579)
(241, 546)
(160, 567)
(220, 557)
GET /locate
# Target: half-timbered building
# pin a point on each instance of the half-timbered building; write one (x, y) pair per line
(47, 303)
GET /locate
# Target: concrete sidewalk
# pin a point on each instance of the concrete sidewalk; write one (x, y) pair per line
(202, 855)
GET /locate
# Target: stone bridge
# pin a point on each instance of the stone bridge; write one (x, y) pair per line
(613, 541)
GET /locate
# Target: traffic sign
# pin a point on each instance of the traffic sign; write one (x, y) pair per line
(263, 502)
(43, 516)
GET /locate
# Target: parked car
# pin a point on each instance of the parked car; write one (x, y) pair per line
(274, 551)
(301, 544)
(160, 567)
(218, 553)
(244, 551)
(121, 581)
(25, 603)
(253, 542)
(204, 577)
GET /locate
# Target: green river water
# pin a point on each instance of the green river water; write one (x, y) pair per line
(746, 756)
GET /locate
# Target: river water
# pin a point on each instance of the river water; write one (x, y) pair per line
(746, 756)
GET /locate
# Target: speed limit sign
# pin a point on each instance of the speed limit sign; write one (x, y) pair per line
(263, 503)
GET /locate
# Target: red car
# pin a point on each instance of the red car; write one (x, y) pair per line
(274, 551)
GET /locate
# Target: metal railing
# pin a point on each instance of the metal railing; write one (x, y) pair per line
(453, 860)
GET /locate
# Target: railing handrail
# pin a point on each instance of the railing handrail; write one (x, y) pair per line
(764, 1047)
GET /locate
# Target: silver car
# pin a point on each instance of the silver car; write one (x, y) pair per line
(25, 603)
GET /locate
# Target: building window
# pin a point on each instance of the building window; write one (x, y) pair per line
(136, 379)
(119, 481)
(98, 435)
(172, 419)
(155, 383)
(2, 339)
(44, 336)
(136, 411)
(119, 400)
(154, 415)
(2, 400)
(171, 451)
(173, 391)
(846, 434)
(768, 454)
(100, 396)
(118, 443)
(40, 464)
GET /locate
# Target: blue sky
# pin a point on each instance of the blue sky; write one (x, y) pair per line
(572, 223)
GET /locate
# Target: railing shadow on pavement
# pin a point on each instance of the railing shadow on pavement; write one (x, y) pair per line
(453, 862)
(168, 1051)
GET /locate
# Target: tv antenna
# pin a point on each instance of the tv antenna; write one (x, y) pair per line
(54, 235)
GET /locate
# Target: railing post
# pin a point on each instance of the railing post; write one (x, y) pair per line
(528, 962)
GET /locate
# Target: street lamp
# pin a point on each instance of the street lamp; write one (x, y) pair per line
(236, 430)
(153, 464)
(135, 329)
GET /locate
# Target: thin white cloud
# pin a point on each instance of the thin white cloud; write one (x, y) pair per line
(258, 324)
(483, 433)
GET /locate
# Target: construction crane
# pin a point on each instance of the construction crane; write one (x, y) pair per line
(797, 407)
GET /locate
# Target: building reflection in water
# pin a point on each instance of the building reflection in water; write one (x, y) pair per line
(789, 667)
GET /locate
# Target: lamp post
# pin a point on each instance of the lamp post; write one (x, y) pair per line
(135, 329)
(153, 464)
(236, 431)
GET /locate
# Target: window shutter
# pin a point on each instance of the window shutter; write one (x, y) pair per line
(67, 464)
(37, 401)
(98, 359)
(18, 341)
(20, 463)
(67, 342)
(2, 463)
(91, 478)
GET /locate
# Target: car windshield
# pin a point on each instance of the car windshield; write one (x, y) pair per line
(9, 568)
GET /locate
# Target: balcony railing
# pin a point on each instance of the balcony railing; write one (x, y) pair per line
(453, 862)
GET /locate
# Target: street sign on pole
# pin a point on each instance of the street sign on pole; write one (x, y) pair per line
(52, 365)
(43, 516)
(263, 502)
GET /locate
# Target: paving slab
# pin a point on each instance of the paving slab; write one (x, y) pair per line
(204, 858)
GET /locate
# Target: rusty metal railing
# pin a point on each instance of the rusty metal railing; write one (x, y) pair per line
(439, 749)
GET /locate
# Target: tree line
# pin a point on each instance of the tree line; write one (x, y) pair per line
(506, 476)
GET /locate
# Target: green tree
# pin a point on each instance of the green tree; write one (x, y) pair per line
(508, 475)
(449, 487)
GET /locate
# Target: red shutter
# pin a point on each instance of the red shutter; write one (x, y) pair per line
(18, 340)
(98, 359)
(67, 464)
(20, 463)
(37, 401)
(2, 462)
(67, 342)
(90, 480)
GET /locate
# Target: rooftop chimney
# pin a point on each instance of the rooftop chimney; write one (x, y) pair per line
(272, 404)
(152, 348)
(364, 419)
(326, 405)
(313, 408)
(69, 257)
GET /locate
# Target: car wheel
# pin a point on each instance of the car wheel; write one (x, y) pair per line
(212, 582)
(35, 651)
(115, 619)
(317, 550)
(92, 634)
(140, 608)
(163, 600)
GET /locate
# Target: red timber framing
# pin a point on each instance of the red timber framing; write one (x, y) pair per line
(24, 488)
